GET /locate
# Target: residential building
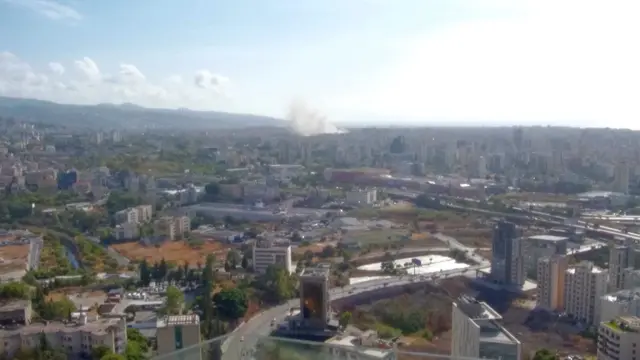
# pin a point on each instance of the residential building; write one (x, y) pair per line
(179, 332)
(540, 246)
(619, 339)
(362, 197)
(477, 333)
(507, 263)
(621, 264)
(77, 338)
(182, 225)
(267, 253)
(621, 178)
(165, 226)
(145, 213)
(620, 303)
(585, 284)
(129, 215)
(126, 231)
(551, 285)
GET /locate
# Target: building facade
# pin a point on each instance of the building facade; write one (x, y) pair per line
(267, 253)
(507, 263)
(551, 282)
(179, 332)
(585, 284)
(477, 333)
(619, 339)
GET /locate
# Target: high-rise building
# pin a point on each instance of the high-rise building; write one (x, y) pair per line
(620, 303)
(585, 284)
(541, 246)
(551, 286)
(621, 264)
(618, 339)
(477, 333)
(314, 296)
(179, 332)
(621, 178)
(507, 263)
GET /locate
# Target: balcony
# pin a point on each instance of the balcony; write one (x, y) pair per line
(272, 348)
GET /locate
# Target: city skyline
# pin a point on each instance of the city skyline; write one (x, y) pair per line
(366, 62)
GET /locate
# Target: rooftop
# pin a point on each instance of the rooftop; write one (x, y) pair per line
(181, 320)
(477, 310)
(549, 238)
(351, 341)
(11, 305)
(320, 270)
(97, 327)
(624, 324)
(623, 295)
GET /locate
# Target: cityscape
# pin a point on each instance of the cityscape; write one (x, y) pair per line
(319, 180)
(473, 243)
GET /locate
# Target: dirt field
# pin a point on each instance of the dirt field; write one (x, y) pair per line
(13, 257)
(172, 251)
(534, 331)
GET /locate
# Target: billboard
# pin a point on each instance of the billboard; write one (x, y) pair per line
(312, 301)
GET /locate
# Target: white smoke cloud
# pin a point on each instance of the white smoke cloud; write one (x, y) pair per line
(307, 122)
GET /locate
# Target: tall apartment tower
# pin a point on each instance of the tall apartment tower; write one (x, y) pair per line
(314, 297)
(477, 333)
(551, 282)
(621, 178)
(179, 332)
(585, 284)
(621, 266)
(507, 262)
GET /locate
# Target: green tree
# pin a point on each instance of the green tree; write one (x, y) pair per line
(134, 335)
(231, 304)
(15, 290)
(174, 302)
(100, 351)
(233, 259)
(345, 319)
(545, 354)
(145, 273)
(207, 301)
(113, 357)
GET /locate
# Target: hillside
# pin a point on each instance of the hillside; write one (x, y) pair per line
(125, 116)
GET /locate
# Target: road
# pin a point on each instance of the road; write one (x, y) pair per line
(260, 325)
(558, 220)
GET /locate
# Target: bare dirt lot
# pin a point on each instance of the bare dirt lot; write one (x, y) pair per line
(13, 257)
(178, 252)
(433, 306)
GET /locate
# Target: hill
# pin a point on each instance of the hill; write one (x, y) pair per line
(126, 116)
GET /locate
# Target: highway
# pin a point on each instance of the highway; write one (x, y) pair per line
(552, 219)
(260, 326)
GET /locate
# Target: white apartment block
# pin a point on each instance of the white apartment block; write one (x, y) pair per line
(477, 334)
(267, 253)
(620, 303)
(619, 339)
(551, 282)
(126, 231)
(585, 284)
(78, 339)
(362, 197)
(182, 225)
(129, 215)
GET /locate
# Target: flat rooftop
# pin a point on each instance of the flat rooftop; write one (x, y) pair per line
(181, 320)
(623, 295)
(321, 270)
(12, 305)
(98, 327)
(349, 341)
(549, 238)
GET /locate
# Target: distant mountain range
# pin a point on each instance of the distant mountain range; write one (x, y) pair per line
(126, 116)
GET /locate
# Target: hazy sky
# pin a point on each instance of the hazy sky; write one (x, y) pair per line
(373, 61)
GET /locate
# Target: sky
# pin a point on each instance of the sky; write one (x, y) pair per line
(367, 62)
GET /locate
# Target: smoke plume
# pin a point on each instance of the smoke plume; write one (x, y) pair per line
(307, 122)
